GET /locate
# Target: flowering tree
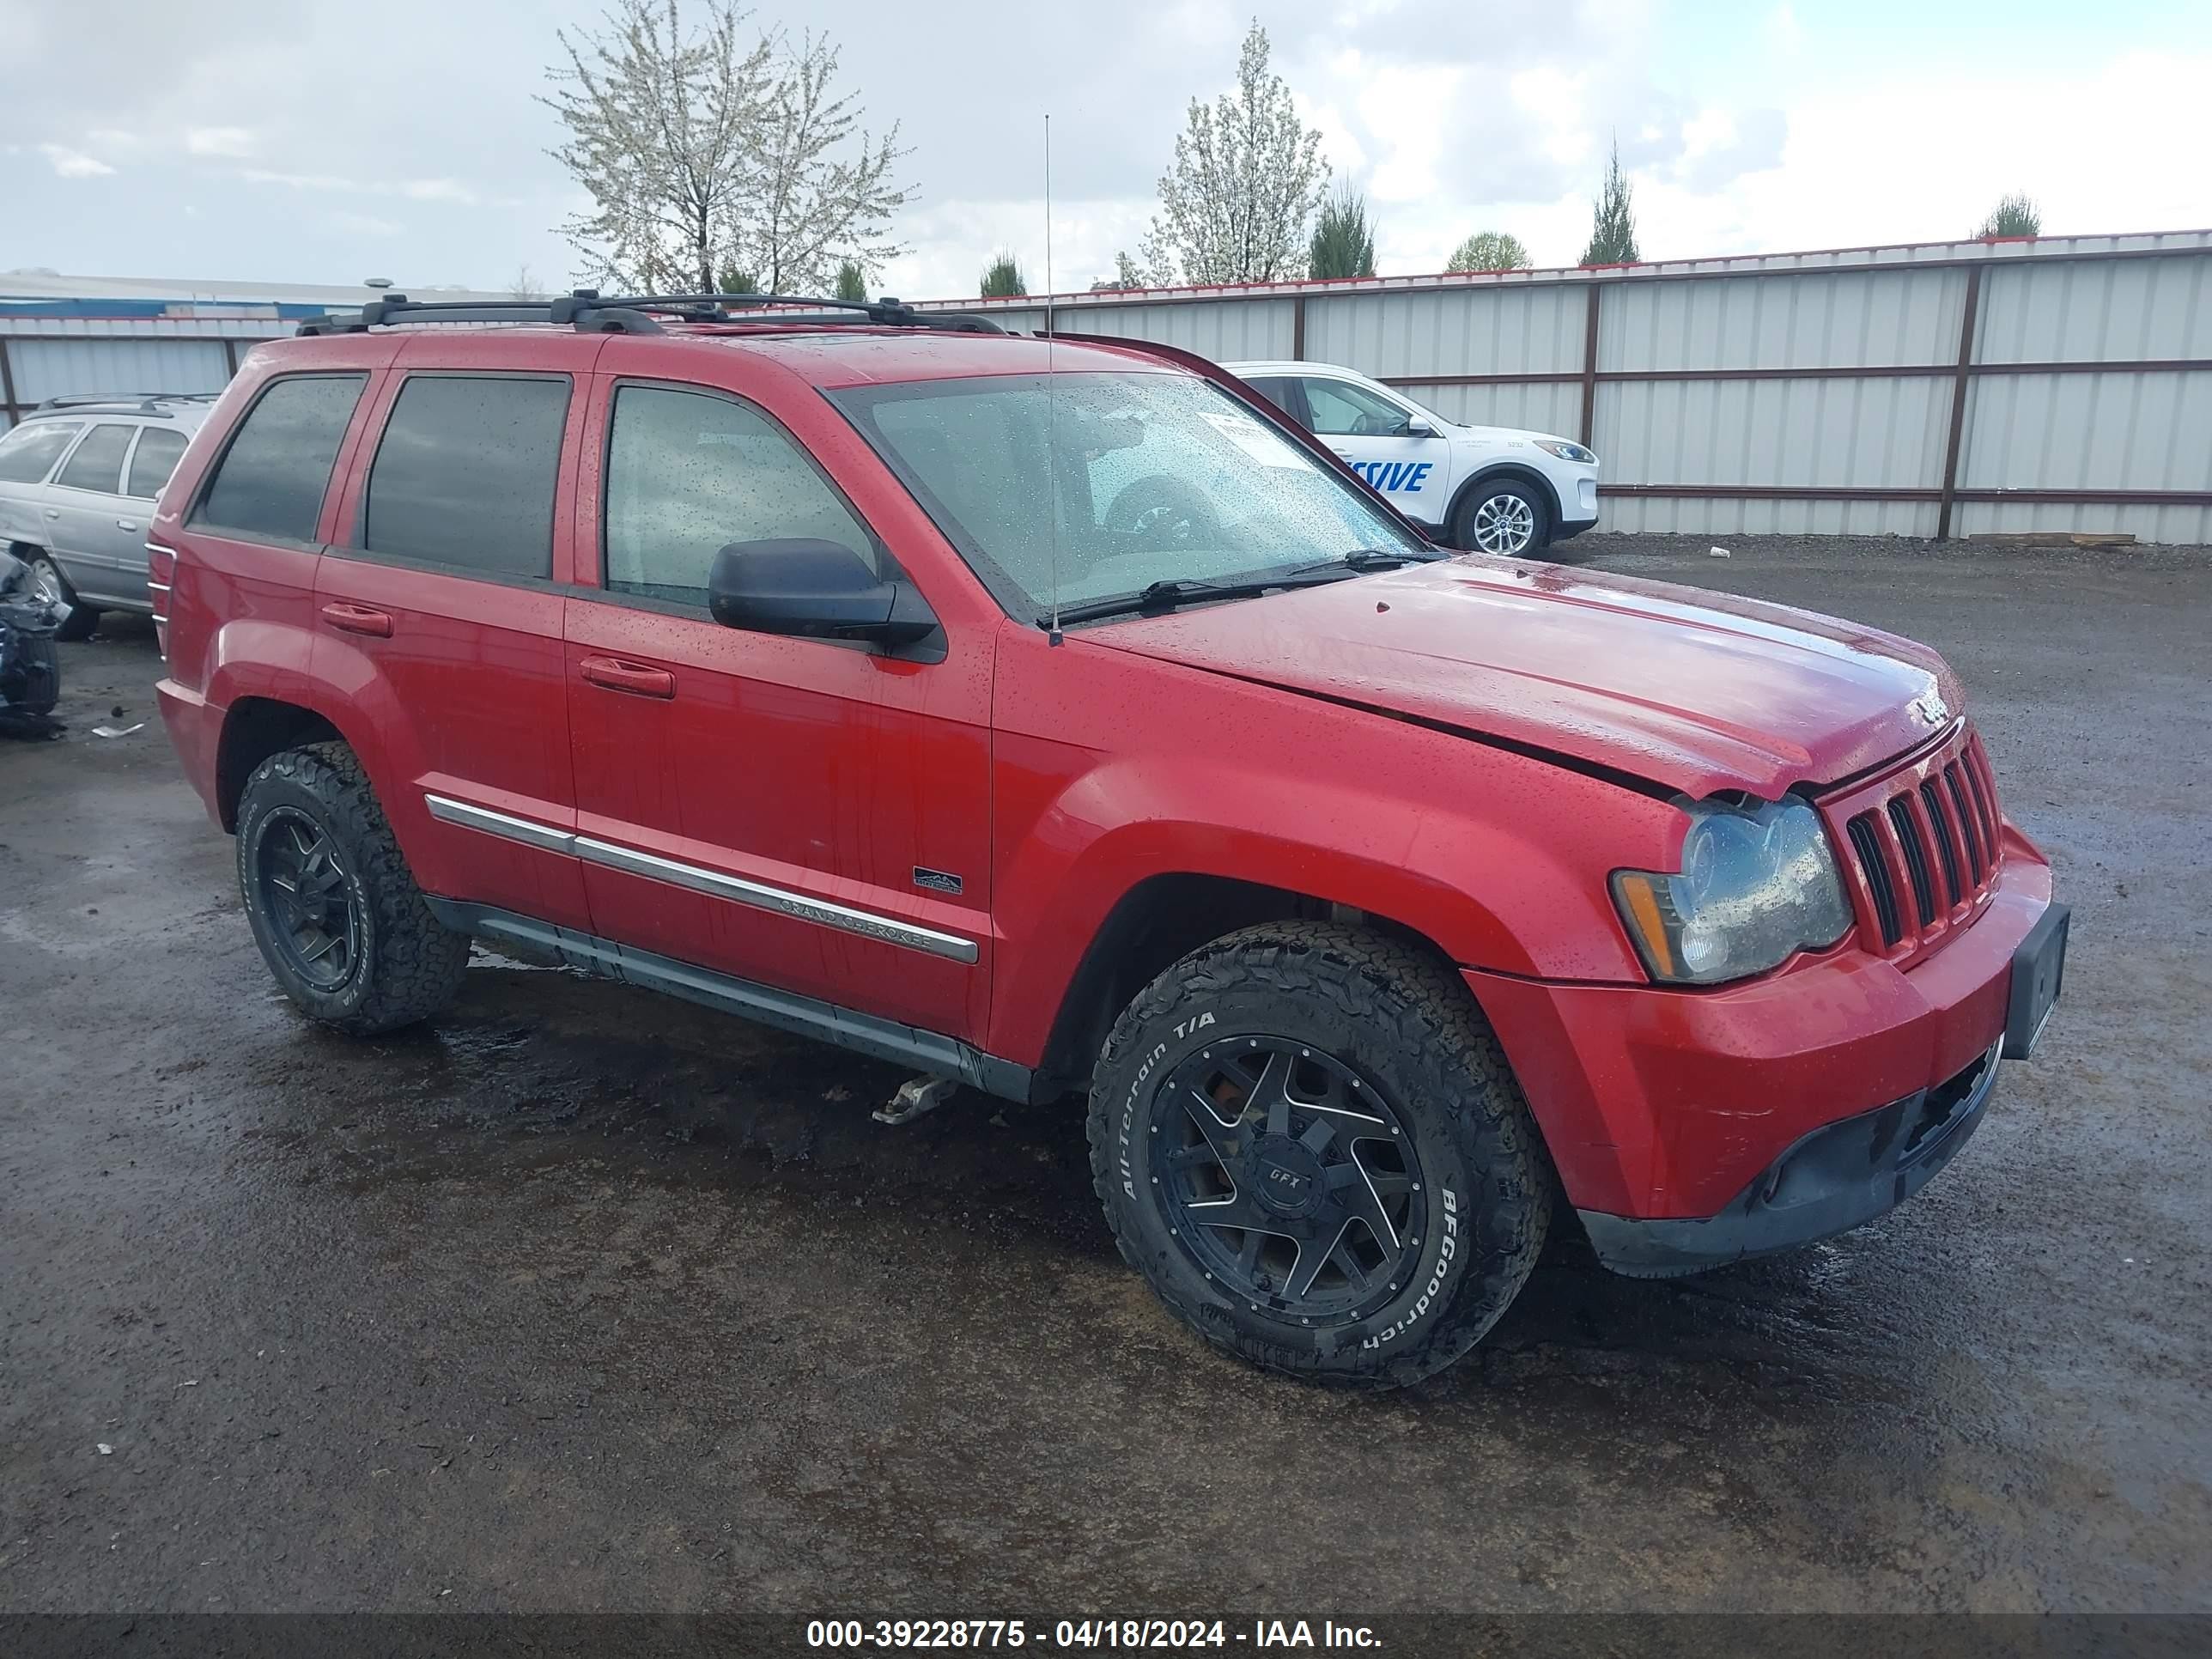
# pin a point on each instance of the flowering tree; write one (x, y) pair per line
(705, 149)
(1247, 178)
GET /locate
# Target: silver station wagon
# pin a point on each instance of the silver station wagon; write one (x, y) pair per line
(78, 478)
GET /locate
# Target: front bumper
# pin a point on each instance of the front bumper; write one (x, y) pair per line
(1666, 1105)
(1577, 506)
(1832, 1179)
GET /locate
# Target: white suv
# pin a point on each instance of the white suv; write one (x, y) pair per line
(78, 479)
(1488, 487)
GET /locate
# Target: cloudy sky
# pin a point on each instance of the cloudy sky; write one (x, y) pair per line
(314, 141)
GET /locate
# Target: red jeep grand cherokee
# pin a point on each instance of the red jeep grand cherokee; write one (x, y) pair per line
(1050, 717)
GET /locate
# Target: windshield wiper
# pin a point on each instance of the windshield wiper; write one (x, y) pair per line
(1363, 559)
(1162, 596)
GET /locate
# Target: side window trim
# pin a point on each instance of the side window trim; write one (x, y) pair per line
(597, 590)
(204, 485)
(351, 537)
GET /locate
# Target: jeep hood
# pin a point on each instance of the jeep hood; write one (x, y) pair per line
(1689, 690)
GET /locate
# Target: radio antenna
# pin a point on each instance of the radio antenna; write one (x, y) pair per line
(1053, 636)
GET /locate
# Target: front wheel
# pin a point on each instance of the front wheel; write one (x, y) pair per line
(50, 587)
(1310, 1144)
(1509, 516)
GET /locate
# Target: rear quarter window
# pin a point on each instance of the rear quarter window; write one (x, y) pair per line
(270, 480)
(156, 457)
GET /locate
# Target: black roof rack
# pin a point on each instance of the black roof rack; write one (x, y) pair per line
(590, 311)
(144, 403)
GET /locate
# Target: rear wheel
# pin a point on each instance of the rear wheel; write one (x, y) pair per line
(331, 901)
(49, 585)
(1505, 515)
(1308, 1142)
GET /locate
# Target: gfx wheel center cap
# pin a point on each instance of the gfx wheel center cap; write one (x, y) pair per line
(1286, 1177)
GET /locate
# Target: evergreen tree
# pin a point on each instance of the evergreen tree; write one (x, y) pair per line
(1343, 241)
(1613, 221)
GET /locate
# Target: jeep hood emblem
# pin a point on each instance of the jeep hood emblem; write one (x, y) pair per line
(1930, 708)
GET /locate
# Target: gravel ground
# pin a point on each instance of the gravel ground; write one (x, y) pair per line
(586, 1298)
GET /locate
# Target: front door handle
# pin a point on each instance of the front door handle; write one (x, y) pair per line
(358, 619)
(639, 679)
(126, 524)
(53, 513)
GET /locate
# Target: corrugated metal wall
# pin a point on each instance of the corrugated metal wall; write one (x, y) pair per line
(1791, 392)
(43, 357)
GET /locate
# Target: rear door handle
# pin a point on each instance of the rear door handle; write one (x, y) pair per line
(126, 524)
(358, 619)
(634, 677)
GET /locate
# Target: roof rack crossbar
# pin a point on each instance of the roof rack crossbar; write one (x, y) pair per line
(588, 309)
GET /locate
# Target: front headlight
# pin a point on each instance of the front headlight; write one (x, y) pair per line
(1567, 452)
(1757, 884)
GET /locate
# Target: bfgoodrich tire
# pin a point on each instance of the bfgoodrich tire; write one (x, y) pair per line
(331, 902)
(1310, 1144)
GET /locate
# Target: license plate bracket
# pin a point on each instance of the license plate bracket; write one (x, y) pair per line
(2039, 971)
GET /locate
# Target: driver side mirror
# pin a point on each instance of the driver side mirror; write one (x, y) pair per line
(1418, 426)
(813, 589)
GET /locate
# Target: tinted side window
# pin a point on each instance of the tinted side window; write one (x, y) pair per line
(1343, 411)
(271, 482)
(1276, 389)
(97, 463)
(465, 475)
(687, 474)
(156, 457)
(26, 452)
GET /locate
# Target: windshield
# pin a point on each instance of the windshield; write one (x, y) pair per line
(1160, 477)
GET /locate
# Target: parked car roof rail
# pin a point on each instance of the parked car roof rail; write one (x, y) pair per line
(144, 403)
(588, 310)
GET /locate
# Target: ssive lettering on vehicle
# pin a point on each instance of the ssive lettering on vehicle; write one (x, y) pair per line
(1388, 476)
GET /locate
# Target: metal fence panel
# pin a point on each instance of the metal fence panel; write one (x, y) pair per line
(1821, 434)
(1719, 518)
(1231, 330)
(1545, 407)
(2184, 525)
(56, 368)
(2124, 431)
(2086, 311)
(1493, 329)
(1813, 320)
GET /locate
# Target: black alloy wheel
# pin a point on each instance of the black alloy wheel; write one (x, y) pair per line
(1288, 1179)
(306, 891)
